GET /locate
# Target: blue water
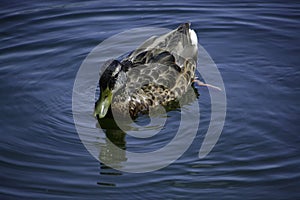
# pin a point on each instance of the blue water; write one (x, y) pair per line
(256, 47)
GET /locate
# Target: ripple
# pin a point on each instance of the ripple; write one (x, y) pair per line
(255, 47)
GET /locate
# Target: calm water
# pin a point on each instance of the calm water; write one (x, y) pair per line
(256, 47)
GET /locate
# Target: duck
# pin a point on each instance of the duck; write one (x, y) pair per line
(158, 72)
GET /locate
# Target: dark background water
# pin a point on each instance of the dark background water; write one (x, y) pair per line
(256, 46)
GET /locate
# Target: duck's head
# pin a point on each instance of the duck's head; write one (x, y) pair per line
(110, 82)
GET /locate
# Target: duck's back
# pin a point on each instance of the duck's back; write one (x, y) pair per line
(181, 43)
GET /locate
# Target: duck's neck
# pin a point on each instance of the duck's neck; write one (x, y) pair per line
(120, 81)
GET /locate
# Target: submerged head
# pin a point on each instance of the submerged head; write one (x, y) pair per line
(110, 82)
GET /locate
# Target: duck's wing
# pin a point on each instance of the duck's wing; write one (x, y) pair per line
(176, 46)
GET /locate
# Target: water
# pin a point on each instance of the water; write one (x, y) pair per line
(256, 48)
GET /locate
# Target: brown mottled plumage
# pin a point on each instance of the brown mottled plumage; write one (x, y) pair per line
(159, 72)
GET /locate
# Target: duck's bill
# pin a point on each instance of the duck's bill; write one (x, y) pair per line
(102, 105)
(103, 108)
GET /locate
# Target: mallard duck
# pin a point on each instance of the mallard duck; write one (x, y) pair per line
(159, 72)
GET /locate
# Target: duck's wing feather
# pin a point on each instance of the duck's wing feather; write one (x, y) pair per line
(152, 73)
(174, 46)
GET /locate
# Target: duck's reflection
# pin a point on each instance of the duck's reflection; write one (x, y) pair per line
(109, 154)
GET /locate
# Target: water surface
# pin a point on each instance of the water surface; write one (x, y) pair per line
(256, 47)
